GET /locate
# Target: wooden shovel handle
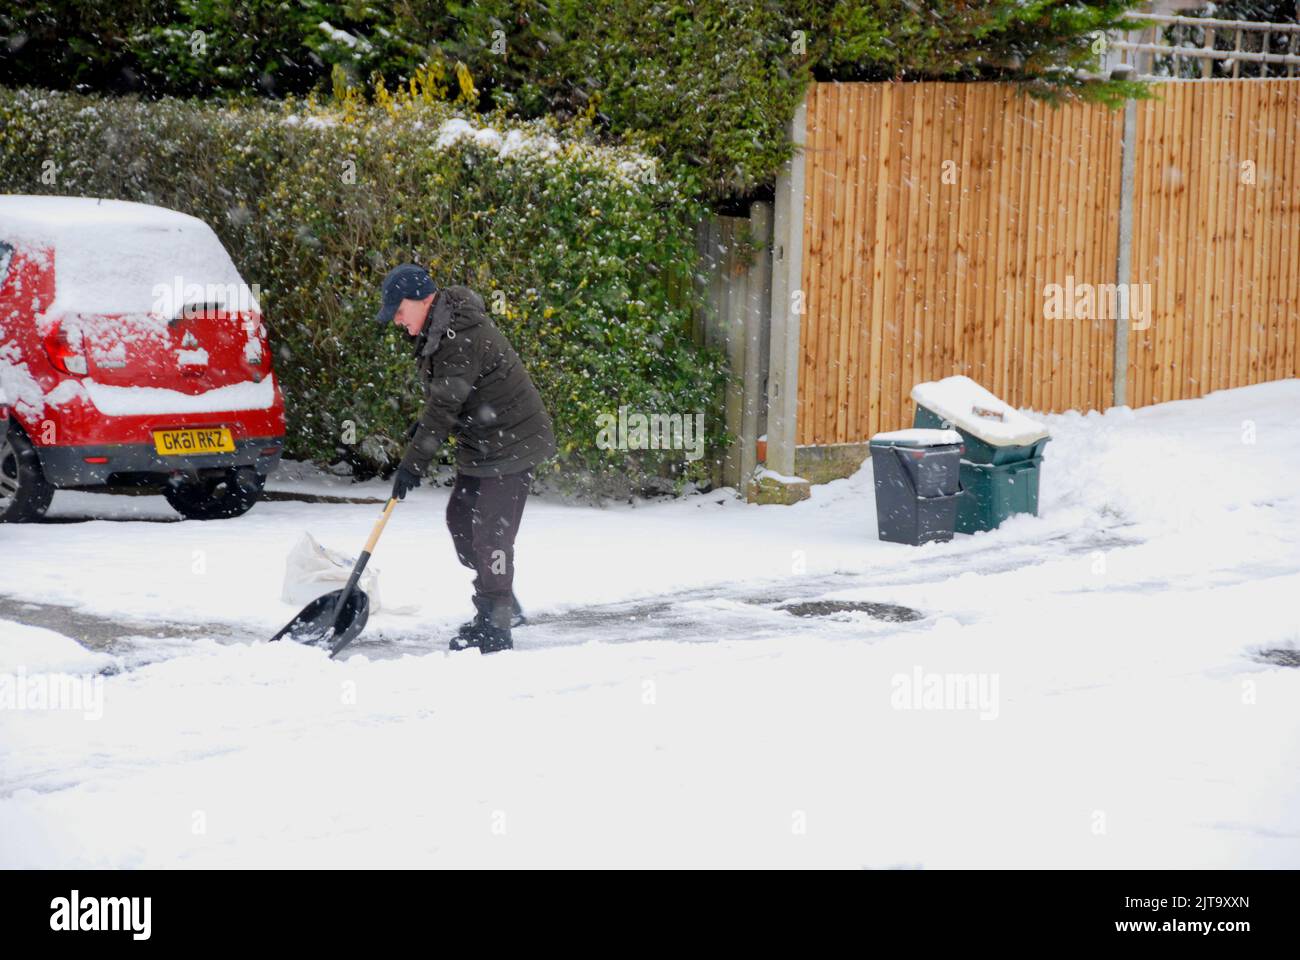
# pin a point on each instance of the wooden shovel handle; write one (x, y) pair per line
(379, 525)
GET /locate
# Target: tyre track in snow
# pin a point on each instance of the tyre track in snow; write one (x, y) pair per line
(755, 608)
(137, 642)
(708, 614)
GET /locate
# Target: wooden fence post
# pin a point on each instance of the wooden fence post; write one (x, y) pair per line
(735, 280)
(757, 333)
(731, 318)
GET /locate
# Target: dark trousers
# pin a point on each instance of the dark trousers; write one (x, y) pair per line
(483, 516)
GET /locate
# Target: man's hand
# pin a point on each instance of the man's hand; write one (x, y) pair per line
(404, 481)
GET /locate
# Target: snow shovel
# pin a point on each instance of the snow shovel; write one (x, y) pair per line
(338, 617)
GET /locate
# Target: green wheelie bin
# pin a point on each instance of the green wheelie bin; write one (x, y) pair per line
(1002, 462)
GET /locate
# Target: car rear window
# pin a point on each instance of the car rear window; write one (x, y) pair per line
(143, 270)
(127, 258)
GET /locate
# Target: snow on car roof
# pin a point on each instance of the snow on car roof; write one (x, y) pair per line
(48, 215)
(115, 256)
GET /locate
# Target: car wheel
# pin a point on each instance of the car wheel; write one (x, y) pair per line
(24, 493)
(217, 498)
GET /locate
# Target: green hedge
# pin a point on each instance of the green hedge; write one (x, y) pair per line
(708, 85)
(584, 252)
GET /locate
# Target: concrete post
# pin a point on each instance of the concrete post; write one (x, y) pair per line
(787, 296)
(1124, 264)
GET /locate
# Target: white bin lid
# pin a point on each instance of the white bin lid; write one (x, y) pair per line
(919, 437)
(964, 403)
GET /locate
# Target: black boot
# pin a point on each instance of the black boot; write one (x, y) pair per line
(486, 637)
(482, 607)
(517, 618)
(489, 631)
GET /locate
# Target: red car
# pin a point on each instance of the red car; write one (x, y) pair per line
(132, 354)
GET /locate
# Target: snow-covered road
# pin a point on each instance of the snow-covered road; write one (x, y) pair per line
(1086, 688)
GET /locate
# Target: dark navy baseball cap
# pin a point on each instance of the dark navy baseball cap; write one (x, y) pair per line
(410, 281)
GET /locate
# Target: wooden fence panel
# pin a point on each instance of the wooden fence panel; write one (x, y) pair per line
(1220, 201)
(937, 216)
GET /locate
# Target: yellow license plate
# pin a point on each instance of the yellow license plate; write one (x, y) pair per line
(182, 442)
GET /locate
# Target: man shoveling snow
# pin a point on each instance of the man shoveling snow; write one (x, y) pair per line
(476, 390)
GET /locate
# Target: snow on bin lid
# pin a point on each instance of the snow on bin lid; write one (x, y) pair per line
(964, 403)
(919, 437)
(110, 254)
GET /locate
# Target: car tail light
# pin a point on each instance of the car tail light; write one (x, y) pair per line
(63, 347)
(257, 350)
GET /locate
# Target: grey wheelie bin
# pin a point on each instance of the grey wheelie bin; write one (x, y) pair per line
(917, 476)
(1004, 450)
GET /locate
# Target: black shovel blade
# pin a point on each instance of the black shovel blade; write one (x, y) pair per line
(317, 626)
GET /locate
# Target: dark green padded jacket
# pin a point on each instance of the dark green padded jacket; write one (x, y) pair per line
(476, 390)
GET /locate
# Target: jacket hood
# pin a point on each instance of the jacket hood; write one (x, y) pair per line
(454, 309)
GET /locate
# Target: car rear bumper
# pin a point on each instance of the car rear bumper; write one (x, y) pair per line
(97, 465)
(81, 424)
